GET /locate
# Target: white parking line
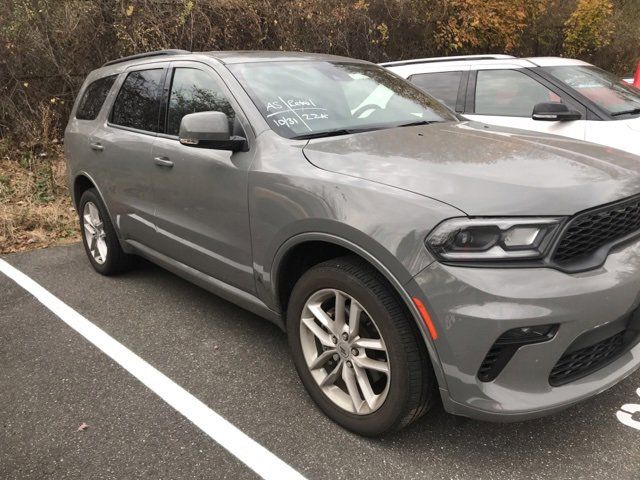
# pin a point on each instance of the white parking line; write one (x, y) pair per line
(247, 450)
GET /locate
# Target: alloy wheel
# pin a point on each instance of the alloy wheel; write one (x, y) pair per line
(345, 352)
(94, 233)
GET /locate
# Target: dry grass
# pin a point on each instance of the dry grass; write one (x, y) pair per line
(35, 207)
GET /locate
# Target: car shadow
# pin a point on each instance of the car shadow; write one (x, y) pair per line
(573, 433)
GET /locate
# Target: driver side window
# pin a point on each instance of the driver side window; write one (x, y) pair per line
(195, 91)
(509, 93)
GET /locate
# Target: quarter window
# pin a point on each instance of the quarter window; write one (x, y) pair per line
(195, 91)
(93, 98)
(509, 93)
(137, 105)
(442, 86)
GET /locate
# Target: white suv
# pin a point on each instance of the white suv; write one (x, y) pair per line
(545, 94)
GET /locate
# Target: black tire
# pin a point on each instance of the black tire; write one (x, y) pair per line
(117, 261)
(412, 385)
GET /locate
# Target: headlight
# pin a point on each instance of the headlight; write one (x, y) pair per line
(492, 239)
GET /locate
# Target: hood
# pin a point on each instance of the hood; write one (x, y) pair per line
(484, 170)
(634, 124)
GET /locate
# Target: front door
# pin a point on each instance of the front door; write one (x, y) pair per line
(506, 97)
(202, 214)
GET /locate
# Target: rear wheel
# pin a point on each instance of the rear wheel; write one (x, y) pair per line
(358, 354)
(99, 237)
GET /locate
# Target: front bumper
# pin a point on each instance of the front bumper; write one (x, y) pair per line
(472, 307)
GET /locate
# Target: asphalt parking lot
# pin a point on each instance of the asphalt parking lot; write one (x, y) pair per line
(52, 380)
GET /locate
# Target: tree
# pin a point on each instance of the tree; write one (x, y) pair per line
(589, 28)
(478, 25)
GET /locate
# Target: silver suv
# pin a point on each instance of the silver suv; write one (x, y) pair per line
(409, 256)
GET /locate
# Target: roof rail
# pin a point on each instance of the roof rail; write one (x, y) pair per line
(445, 59)
(157, 53)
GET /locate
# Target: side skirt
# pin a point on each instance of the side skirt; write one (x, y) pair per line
(211, 284)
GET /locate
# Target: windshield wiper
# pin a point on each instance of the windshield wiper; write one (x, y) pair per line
(627, 112)
(416, 123)
(333, 133)
(348, 131)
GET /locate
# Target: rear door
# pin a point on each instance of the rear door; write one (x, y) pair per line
(505, 95)
(447, 84)
(81, 155)
(202, 212)
(122, 148)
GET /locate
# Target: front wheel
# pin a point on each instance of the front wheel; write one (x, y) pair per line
(358, 354)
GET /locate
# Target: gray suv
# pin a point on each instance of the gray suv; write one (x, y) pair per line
(408, 255)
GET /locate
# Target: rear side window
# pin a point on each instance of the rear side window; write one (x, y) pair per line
(195, 91)
(138, 102)
(441, 85)
(509, 93)
(93, 98)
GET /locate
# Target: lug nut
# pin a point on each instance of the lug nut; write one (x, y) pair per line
(336, 357)
(345, 336)
(334, 339)
(354, 351)
(349, 364)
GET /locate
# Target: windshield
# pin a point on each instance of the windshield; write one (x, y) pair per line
(309, 99)
(603, 88)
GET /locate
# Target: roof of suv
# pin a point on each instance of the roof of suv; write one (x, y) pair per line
(472, 60)
(444, 59)
(230, 57)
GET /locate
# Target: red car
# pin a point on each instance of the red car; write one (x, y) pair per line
(635, 81)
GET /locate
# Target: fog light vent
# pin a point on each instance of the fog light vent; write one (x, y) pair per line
(506, 346)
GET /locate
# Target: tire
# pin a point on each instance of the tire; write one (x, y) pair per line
(403, 394)
(112, 259)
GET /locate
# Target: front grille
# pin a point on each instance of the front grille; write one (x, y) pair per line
(589, 231)
(579, 363)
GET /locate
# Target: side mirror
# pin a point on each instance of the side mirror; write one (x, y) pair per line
(209, 130)
(554, 112)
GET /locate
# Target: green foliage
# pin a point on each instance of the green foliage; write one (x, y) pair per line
(480, 24)
(5, 187)
(48, 46)
(589, 28)
(44, 182)
(25, 160)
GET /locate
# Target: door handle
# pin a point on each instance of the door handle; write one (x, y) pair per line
(163, 162)
(97, 146)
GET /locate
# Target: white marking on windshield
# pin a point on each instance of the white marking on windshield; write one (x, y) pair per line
(296, 114)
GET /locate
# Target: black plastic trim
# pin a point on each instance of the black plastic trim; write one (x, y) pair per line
(462, 92)
(617, 349)
(599, 256)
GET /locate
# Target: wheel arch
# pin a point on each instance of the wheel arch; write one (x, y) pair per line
(83, 182)
(286, 271)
